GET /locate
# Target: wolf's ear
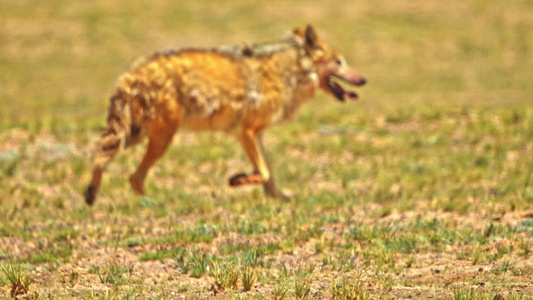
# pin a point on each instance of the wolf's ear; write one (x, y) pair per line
(311, 37)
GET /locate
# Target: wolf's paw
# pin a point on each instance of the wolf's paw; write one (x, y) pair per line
(243, 178)
(136, 185)
(278, 194)
(90, 194)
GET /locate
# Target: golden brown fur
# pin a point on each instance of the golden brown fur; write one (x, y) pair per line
(239, 90)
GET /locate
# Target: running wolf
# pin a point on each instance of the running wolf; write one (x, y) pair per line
(241, 90)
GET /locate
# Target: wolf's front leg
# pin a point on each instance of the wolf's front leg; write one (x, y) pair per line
(253, 147)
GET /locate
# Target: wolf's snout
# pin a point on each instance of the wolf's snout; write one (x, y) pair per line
(363, 81)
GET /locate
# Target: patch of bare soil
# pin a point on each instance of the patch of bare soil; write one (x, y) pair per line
(429, 275)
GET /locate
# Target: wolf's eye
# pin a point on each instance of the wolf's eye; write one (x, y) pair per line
(339, 62)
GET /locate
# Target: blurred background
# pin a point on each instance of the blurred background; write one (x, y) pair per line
(60, 59)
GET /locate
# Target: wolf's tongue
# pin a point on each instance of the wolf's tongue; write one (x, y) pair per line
(341, 91)
(352, 95)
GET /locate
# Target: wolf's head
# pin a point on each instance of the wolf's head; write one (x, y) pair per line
(330, 65)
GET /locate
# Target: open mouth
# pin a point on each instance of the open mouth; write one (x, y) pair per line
(337, 90)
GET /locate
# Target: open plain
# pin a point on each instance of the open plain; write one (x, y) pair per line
(423, 188)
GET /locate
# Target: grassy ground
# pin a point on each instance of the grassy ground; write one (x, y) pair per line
(423, 188)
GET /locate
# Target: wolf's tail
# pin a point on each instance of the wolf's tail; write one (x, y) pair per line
(118, 132)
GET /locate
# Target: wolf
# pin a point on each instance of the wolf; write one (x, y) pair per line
(241, 90)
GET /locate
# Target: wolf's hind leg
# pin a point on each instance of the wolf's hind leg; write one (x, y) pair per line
(107, 149)
(160, 136)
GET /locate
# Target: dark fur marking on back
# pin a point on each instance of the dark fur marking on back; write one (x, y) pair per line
(234, 52)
